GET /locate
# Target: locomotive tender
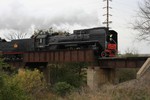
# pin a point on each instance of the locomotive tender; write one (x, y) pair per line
(100, 39)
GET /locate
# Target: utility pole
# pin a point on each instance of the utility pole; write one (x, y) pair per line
(107, 14)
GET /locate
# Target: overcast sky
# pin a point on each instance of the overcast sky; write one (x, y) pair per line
(25, 15)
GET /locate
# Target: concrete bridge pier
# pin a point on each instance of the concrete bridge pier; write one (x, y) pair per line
(97, 76)
(46, 72)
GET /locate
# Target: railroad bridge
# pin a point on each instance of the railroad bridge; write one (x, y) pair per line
(99, 71)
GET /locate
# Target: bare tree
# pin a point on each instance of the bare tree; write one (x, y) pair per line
(12, 35)
(15, 35)
(142, 23)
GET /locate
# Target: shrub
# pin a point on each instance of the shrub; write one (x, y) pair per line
(25, 85)
(72, 73)
(62, 88)
(11, 91)
(1, 82)
(30, 81)
(8, 89)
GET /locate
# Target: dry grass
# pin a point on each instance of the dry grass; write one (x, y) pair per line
(130, 90)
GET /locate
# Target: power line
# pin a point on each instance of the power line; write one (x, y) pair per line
(107, 22)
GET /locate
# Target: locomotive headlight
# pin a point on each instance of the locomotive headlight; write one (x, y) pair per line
(110, 37)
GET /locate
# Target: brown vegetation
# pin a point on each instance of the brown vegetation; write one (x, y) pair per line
(130, 90)
(33, 87)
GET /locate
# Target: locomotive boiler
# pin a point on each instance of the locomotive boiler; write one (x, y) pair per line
(101, 40)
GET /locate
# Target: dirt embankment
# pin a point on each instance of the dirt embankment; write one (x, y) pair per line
(143, 81)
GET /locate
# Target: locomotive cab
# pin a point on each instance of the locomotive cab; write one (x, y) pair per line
(41, 41)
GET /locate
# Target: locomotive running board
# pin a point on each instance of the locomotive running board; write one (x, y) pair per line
(77, 42)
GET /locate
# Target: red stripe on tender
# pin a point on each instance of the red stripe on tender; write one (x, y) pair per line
(12, 52)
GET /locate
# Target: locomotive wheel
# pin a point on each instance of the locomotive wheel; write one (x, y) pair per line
(104, 54)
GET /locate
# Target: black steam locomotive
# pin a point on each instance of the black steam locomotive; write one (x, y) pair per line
(101, 40)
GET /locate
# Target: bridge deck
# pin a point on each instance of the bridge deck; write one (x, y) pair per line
(125, 62)
(63, 56)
